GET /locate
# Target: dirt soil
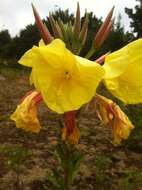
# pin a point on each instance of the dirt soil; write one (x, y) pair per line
(104, 166)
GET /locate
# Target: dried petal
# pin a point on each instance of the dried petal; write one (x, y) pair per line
(111, 114)
(25, 114)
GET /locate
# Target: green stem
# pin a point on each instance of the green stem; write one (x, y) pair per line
(90, 53)
(66, 168)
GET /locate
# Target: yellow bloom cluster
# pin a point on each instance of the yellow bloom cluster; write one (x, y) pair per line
(67, 81)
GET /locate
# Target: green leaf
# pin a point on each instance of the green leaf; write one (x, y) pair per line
(51, 178)
(56, 179)
(60, 153)
(75, 162)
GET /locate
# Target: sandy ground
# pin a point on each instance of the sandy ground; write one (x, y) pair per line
(104, 167)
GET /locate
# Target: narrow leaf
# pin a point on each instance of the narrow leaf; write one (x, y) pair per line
(61, 154)
(59, 29)
(62, 27)
(84, 30)
(54, 27)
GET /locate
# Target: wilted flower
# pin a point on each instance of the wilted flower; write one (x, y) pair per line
(25, 115)
(123, 76)
(65, 81)
(70, 132)
(111, 114)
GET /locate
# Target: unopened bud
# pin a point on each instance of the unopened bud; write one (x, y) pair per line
(45, 34)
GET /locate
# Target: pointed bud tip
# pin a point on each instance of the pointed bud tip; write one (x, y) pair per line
(112, 10)
(78, 4)
(33, 7)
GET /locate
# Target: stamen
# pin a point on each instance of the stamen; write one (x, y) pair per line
(67, 75)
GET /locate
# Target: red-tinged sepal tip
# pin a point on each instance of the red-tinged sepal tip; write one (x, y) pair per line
(77, 23)
(99, 38)
(101, 59)
(45, 34)
(107, 32)
(37, 98)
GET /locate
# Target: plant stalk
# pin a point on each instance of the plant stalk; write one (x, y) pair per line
(67, 168)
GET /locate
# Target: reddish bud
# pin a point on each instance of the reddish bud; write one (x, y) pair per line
(77, 21)
(45, 34)
(104, 37)
(101, 34)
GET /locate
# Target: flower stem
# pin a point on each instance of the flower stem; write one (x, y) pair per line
(67, 168)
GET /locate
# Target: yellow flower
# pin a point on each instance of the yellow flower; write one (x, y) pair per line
(111, 114)
(25, 115)
(65, 81)
(123, 76)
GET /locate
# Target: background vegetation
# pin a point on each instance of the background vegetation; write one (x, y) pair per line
(12, 48)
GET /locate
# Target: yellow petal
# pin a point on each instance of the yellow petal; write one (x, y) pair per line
(41, 43)
(65, 81)
(124, 73)
(115, 63)
(25, 114)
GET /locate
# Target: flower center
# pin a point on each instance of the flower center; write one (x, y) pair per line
(67, 75)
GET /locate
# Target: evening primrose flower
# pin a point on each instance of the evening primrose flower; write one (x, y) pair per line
(25, 116)
(65, 81)
(123, 76)
(111, 114)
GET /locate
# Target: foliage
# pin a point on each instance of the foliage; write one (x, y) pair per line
(14, 48)
(102, 163)
(5, 40)
(15, 157)
(135, 15)
(131, 180)
(69, 159)
(135, 137)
